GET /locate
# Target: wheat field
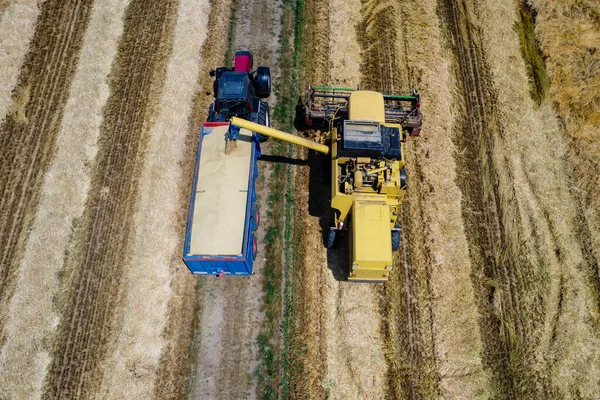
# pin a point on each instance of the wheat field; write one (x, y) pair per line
(494, 292)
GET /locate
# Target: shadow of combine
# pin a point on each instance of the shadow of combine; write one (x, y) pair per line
(282, 159)
(319, 199)
(319, 195)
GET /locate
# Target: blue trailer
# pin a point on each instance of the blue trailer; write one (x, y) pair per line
(223, 215)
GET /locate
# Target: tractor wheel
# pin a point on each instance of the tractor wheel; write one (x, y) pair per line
(211, 113)
(264, 138)
(395, 240)
(254, 246)
(403, 178)
(262, 82)
(330, 240)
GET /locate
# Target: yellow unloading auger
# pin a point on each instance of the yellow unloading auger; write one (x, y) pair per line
(366, 134)
(277, 134)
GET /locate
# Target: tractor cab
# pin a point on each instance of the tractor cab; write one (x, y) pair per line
(234, 93)
(238, 89)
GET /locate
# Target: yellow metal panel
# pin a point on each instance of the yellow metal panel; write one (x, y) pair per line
(369, 276)
(367, 106)
(343, 203)
(371, 239)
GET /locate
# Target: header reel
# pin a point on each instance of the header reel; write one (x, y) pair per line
(326, 103)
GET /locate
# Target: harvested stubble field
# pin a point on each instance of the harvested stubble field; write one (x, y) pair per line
(496, 288)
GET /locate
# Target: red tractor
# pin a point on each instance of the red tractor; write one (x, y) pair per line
(239, 90)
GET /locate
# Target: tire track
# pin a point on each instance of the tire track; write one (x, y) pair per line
(226, 352)
(313, 287)
(413, 364)
(407, 320)
(377, 36)
(481, 207)
(507, 325)
(95, 264)
(23, 362)
(306, 347)
(28, 140)
(17, 26)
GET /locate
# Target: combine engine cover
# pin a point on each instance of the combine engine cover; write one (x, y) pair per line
(370, 245)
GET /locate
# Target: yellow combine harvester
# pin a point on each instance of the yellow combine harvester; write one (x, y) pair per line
(365, 131)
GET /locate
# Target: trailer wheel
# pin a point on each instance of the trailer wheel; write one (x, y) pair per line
(256, 217)
(330, 239)
(395, 240)
(254, 247)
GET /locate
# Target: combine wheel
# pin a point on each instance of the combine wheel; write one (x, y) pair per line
(395, 240)
(330, 239)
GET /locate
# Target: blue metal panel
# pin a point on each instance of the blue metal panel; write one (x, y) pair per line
(188, 230)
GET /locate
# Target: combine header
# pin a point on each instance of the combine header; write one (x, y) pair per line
(323, 102)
